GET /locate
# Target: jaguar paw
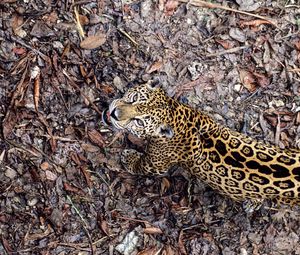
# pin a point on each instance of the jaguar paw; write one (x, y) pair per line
(130, 159)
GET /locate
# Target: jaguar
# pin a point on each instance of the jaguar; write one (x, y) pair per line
(230, 162)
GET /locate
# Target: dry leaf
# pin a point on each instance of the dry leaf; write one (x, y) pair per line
(155, 66)
(96, 137)
(19, 50)
(170, 7)
(254, 23)
(226, 44)
(152, 230)
(93, 41)
(17, 22)
(50, 176)
(181, 243)
(150, 251)
(73, 189)
(103, 224)
(84, 20)
(262, 80)
(248, 80)
(44, 166)
(165, 185)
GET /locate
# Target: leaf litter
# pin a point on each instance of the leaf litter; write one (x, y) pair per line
(63, 190)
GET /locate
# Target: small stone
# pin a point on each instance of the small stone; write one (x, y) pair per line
(118, 83)
(237, 34)
(10, 173)
(32, 201)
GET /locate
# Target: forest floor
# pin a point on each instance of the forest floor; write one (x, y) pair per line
(62, 188)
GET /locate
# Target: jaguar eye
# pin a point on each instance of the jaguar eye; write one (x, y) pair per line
(139, 122)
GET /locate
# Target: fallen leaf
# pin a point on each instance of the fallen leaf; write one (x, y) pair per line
(44, 166)
(170, 7)
(84, 20)
(247, 79)
(19, 50)
(93, 41)
(165, 185)
(103, 224)
(262, 80)
(73, 189)
(152, 230)
(50, 176)
(155, 67)
(226, 44)
(254, 23)
(150, 251)
(96, 138)
(181, 243)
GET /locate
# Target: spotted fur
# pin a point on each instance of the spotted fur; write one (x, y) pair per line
(232, 163)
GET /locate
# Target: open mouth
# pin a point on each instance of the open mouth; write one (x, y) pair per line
(106, 117)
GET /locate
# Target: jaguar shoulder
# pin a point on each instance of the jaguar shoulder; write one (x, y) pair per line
(232, 163)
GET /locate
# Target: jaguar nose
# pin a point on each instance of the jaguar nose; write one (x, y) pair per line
(113, 114)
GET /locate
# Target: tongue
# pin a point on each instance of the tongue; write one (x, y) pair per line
(106, 117)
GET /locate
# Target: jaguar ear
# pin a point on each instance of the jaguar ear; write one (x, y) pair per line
(165, 131)
(153, 84)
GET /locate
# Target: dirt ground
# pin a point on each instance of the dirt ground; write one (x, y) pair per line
(62, 189)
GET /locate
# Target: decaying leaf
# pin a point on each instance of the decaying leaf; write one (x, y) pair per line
(93, 41)
(165, 185)
(152, 230)
(170, 7)
(150, 251)
(96, 137)
(248, 80)
(262, 79)
(254, 23)
(155, 67)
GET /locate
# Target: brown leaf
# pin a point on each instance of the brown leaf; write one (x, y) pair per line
(19, 50)
(181, 243)
(73, 189)
(254, 23)
(170, 7)
(87, 175)
(262, 80)
(36, 92)
(152, 230)
(84, 20)
(44, 166)
(226, 44)
(149, 251)
(103, 224)
(135, 140)
(247, 79)
(96, 137)
(93, 41)
(6, 245)
(165, 185)
(155, 66)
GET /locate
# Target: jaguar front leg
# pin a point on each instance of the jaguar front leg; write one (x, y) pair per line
(148, 163)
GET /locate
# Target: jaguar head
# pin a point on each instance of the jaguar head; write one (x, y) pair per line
(144, 111)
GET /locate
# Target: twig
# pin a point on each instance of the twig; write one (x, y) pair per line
(78, 24)
(232, 50)
(45, 57)
(295, 70)
(278, 131)
(74, 85)
(109, 187)
(85, 226)
(205, 4)
(128, 36)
